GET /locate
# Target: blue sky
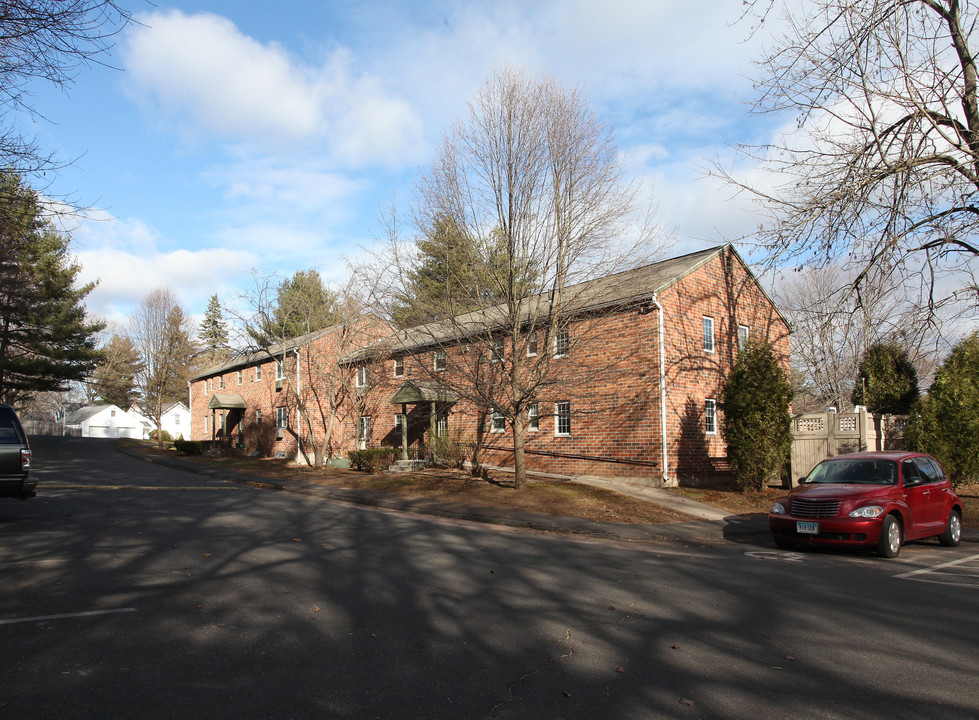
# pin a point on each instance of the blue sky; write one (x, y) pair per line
(228, 137)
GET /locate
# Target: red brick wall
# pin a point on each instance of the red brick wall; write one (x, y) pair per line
(612, 380)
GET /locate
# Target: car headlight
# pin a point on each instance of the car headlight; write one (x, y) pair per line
(868, 511)
(778, 508)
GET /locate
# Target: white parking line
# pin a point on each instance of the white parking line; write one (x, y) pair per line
(967, 576)
(39, 618)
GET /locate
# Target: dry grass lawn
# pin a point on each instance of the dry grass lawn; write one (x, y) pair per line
(456, 486)
(544, 496)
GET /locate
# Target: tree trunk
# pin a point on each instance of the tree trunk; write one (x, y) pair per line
(519, 461)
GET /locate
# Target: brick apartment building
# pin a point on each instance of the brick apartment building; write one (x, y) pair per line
(631, 391)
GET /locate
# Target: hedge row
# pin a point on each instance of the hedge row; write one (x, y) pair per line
(372, 460)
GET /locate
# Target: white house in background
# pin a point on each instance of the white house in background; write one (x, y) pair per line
(103, 421)
(175, 420)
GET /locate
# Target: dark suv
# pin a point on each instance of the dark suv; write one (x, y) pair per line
(15, 457)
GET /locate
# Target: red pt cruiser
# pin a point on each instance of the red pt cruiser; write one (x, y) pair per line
(870, 499)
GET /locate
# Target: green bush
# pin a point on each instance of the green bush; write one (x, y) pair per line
(887, 381)
(757, 427)
(192, 447)
(166, 436)
(371, 460)
(945, 423)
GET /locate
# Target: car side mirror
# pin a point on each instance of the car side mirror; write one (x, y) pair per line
(802, 480)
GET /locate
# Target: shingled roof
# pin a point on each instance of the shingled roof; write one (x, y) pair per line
(621, 288)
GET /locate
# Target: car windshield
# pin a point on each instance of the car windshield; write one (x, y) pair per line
(862, 471)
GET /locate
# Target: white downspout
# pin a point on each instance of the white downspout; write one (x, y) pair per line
(299, 419)
(662, 393)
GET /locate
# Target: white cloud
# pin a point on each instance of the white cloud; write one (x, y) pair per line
(202, 71)
(123, 257)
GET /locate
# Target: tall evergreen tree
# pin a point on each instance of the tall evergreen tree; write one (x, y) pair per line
(114, 380)
(46, 341)
(455, 273)
(945, 422)
(303, 305)
(214, 333)
(886, 381)
(757, 426)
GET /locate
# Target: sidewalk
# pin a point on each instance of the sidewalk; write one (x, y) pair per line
(715, 526)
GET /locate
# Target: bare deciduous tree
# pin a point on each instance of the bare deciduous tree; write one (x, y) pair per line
(881, 171)
(310, 363)
(531, 179)
(47, 40)
(831, 331)
(161, 332)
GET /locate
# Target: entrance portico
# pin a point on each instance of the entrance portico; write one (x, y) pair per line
(436, 396)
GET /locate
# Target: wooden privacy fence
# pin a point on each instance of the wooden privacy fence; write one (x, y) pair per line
(816, 436)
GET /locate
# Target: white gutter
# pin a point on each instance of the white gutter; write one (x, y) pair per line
(662, 392)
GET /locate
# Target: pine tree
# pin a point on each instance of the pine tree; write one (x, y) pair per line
(757, 427)
(214, 334)
(945, 422)
(887, 381)
(46, 340)
(303, 305)
(114, 380)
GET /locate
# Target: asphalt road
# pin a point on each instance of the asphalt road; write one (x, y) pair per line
(136, 591)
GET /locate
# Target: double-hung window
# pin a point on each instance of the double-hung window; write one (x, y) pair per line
(562, 418)
(258, 417)
(742, 337)
(239, 377)
(497, 421)
(361, 376)
(710, 416)
(562, 342)
(365, 428)
(258, 373)
(533, 417)
(708, 334)
(532, 344)
(399, 367)
(439, 360)
(280, 371)
(497, 354)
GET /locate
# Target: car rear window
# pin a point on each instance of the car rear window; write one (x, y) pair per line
(10, 432)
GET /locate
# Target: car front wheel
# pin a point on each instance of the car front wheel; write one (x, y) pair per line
(889, 544)
(953, 530)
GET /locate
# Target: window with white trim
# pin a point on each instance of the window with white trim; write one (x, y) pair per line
(532, 345)
(220, 382)
(533, 417)
(497, 352)
(742, 337)
(361, 376)
(365, 428)
(258, 373)
(497, 421)
(399, 424)
(710, 416)
(562, 418)
(708, 334)
(282, 417)
(439, 359)
(280, 371)
(207, 424)
(562, 342)
(258, 417)
(240, 377)
(399, 367)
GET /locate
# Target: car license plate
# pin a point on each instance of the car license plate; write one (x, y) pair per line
(807, 528)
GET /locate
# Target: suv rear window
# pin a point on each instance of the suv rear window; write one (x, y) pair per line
(10, 432)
